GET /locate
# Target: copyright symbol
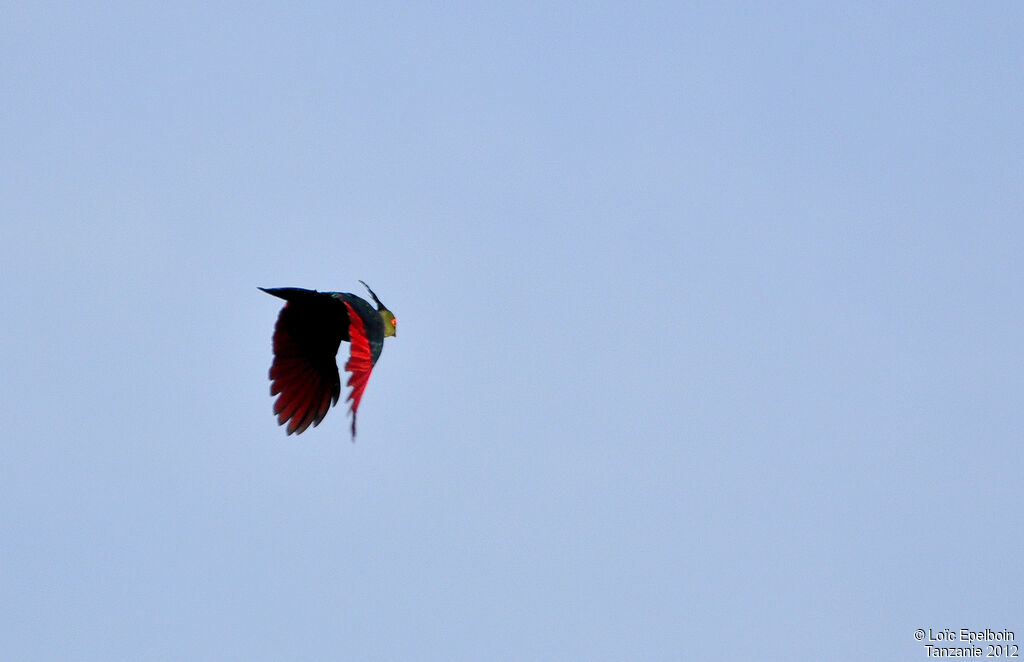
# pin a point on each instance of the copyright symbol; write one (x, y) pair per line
(919, 634)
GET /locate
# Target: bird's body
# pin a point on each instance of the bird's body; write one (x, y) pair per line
(308, 333)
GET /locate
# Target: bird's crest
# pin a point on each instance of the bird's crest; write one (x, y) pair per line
(390, 323)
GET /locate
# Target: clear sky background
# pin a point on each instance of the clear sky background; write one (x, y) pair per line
(709, 329)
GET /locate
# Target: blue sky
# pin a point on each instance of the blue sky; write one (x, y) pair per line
(709, 336)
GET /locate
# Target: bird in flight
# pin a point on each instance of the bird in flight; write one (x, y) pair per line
(309, 330)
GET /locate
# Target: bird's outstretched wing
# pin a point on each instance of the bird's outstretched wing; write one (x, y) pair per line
(360, 363)
(304, 373)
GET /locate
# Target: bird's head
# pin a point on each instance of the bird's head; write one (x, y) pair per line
(390, 323)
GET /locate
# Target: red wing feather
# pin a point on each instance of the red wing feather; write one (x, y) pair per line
(303, 373)
(359, 362)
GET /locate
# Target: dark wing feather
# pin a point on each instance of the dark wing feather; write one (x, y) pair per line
(304, 373)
